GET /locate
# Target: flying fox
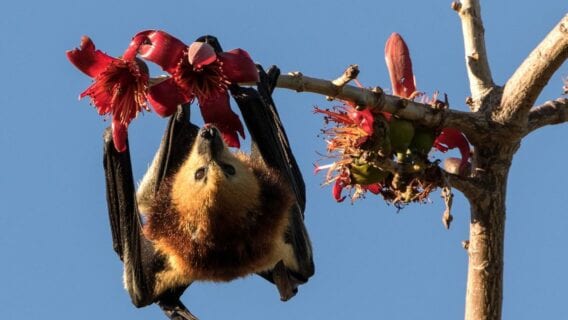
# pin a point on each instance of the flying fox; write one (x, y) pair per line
(204, 213)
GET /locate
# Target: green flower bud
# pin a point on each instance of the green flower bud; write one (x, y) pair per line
(423, 140)
(401, 134)
(365, 174)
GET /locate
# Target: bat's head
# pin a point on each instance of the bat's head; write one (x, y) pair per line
(214, 177)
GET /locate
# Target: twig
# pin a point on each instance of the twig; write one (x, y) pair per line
(551, 112)
(478, 71)
(349, 74)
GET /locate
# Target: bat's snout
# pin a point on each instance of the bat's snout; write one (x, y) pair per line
(209, 132)
(210, 141)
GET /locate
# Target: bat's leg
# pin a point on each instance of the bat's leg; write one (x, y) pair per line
(177, 311)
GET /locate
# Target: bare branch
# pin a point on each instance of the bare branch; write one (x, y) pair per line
(551, 112)
(472, 125)
(533, 74)
(478, 71)
(349, 74)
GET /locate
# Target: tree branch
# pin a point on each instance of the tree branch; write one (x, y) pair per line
(473, 125)
(551, 112)
(477, 65)
(470, 124)
(533, 74)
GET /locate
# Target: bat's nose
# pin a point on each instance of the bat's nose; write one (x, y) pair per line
(209, 132)
(210, 141)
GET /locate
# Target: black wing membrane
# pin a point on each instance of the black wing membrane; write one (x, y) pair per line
(174, 148)
(278, 153)
(128, 241)
(269, 142)
(141, 262)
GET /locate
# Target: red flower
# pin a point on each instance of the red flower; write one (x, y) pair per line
(364, 119)
(343, 181)
(353, 127)
(451, 138)
(120, 84)
(198, 72)
(352, 130)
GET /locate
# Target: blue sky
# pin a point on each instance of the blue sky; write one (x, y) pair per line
(372, 262)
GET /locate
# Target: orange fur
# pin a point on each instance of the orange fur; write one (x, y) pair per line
(221, 227)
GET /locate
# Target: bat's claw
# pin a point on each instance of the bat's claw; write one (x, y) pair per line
(176, 311)
(107, 135)
(287, 287)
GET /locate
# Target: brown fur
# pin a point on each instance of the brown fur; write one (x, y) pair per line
(224, 228)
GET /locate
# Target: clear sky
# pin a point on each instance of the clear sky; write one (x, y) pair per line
(372, 262)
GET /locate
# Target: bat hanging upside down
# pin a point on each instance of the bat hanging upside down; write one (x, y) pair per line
(210, 214)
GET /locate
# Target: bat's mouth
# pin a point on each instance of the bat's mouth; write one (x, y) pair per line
(210, 142)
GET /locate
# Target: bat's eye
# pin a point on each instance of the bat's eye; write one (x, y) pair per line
(200, 173)
(228, 169)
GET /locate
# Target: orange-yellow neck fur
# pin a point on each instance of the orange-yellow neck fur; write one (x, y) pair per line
(233, 197)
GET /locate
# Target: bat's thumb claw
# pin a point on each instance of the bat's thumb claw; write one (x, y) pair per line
(107, 135)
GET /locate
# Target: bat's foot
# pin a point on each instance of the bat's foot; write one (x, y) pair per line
(287, 287)
(176, 311)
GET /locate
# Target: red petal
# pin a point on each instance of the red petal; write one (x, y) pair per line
(374, 188)
(364, 119)
(217, 111)
(399, 65)
(120, 90)
(165, 97)
(336, 191)
(238, 66)
(201, 54)
(161, 48)
(101, 98)
(335, 116)
(119, 135)
(137, 41)
(451, 138)
(87, 59)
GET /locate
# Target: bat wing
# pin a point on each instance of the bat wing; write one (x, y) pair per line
(141, 262)
(174, 148)
(136, 252)
(269, 142)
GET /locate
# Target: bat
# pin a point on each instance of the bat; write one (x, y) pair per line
(204, 213)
